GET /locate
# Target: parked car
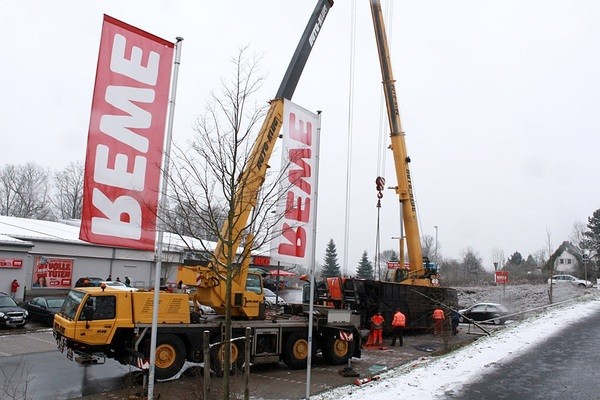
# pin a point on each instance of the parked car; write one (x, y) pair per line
(271, 284)
(203, 309)
(118, 285)
(93, 281)
(43, 308)
(271, 298)
(561, 279)
(11, 314)
(96, 282)
(485, 312)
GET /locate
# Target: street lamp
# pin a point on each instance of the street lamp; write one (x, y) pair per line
(436, 236)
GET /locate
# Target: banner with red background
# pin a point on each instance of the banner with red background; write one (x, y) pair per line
(125, 139)
(54, 273)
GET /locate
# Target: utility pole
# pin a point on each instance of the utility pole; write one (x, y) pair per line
(549, 243)
(436, 237)
(585, 260)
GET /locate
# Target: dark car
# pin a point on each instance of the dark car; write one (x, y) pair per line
(11, 314)
(485, 312)
(93, 281)
(272, 284)
(42, 309)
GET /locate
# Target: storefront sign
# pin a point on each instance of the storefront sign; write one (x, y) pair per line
(11, 263)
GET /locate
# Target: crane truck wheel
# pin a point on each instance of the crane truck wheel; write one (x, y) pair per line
(337, 351)
(295, 351)
(170, 356)
(217, 357)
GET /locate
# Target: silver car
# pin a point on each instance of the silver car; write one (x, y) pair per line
(271, 298)
(562, 279)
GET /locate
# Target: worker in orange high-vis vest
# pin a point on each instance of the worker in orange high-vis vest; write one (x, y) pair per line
(438, 320)
(377, 324)
(398, 324)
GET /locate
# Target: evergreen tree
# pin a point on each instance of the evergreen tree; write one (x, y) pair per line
(331, 267)
(365, 268)
(514, 262)
(594, 234)
(472, 264)
(530, 263)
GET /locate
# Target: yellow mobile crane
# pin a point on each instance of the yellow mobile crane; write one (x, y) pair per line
(421, 271)
(99, 323)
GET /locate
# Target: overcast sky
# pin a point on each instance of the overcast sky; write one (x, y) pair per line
(499, 101)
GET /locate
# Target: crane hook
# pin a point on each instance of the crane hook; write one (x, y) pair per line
(379, 185)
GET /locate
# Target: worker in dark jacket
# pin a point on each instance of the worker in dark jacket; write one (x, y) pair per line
(455, 319)
(398, 324)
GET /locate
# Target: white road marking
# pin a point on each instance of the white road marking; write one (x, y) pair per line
(42, 340)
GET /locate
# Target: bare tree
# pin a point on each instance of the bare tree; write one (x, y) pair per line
(24, 191)
(380, 264)
(178, 216)
(68, 196)
(550, 261)
(214, 190)
(540, 256)
(583, 243)
(497, 258)
(428, 245)
(16, 381)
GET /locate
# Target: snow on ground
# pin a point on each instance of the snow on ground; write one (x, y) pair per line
(430, 378)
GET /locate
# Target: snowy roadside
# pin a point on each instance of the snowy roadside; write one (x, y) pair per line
(430, 378)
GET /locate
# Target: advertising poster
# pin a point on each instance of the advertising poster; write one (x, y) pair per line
(53, 273)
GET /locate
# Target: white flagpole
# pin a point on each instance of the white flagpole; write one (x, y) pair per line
(161, 214)
(313, 260)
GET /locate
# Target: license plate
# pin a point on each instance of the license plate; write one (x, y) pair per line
(61, 344)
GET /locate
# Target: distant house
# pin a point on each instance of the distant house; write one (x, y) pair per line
(566, 259)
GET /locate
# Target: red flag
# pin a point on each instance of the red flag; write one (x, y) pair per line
(126, 135)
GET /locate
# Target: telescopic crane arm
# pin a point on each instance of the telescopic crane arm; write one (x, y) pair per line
(401, 159)
(210, 292)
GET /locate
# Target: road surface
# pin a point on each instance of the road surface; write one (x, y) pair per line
(565, 366)
(32, 362)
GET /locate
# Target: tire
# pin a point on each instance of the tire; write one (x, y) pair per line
(295, 351)
(337, 351)
(195, 317)
(170, 356)
(217, 357)
(496, 321)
